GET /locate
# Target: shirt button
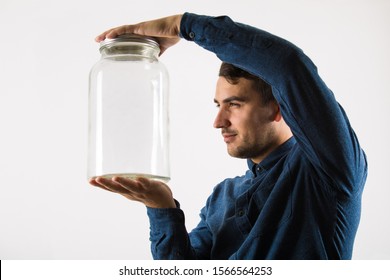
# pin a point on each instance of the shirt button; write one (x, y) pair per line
(260, 169)
(191, 35)
(240, 213)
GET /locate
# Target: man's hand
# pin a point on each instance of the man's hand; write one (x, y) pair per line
(152, 193)
(165, 30)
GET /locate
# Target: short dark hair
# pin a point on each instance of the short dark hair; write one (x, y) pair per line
(232, 74)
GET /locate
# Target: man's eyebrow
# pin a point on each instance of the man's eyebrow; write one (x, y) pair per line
(232, 98)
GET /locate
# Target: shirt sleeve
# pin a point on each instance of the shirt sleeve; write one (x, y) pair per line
(169, 237)
(308, 106)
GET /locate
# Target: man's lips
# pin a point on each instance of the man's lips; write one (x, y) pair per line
(228, 137)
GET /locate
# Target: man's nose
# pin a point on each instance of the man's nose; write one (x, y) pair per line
(221, 120)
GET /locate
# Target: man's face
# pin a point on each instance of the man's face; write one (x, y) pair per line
(247, 126)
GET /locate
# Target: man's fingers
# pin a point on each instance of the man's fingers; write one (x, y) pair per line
(117, 31)
(93, 182)
(143, 181)
(110, 185)
(118, 184)
(129, 184)
(124, 29)
(167, 28)
(149, 192)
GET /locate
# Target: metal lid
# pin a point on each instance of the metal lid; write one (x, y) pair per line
(126, 39)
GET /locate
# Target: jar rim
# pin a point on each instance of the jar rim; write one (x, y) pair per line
(129, 39)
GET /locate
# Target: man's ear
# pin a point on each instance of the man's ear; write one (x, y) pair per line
(276, 113)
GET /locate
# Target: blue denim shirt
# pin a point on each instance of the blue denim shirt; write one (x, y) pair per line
(301, 202)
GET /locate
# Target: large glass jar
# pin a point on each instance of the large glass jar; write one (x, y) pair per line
(128, 111)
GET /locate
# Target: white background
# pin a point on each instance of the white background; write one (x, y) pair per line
(47, 208)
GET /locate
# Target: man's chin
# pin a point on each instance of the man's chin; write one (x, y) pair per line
(236, 154)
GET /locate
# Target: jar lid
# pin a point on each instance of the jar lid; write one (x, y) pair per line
(125, 39)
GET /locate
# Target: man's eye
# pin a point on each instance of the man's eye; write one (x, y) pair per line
(232, 104)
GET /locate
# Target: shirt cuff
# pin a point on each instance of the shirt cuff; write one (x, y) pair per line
(192, 25)
(160, 218)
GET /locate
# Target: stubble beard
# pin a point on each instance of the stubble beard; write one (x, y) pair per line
(246, 149)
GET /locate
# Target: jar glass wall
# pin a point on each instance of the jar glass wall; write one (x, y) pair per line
(128, 111)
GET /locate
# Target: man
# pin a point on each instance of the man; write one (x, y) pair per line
(301, 195)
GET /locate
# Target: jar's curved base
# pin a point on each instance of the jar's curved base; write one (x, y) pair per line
(135, 176)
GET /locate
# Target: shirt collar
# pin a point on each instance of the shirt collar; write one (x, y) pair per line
(273, 157)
